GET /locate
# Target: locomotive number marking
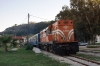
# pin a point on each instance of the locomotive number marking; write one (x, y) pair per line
(65, 27)
(65, 30)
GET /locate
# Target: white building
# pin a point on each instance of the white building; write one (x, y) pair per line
(98, 39)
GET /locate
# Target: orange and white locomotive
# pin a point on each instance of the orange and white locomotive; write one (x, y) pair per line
(59, 38)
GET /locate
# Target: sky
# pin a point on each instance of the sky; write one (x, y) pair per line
(15, 11)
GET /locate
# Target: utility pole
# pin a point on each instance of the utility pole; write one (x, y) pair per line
(28, 28)
(15, 31)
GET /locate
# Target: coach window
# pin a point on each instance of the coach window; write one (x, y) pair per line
(49, 31)
(58, 22)
(35, 37)
(46, 32)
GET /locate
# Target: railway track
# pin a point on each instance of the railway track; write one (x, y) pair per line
(72, 59)
(89, 53)
(83, 61)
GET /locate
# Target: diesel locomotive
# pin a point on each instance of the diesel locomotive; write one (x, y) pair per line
(58, 38)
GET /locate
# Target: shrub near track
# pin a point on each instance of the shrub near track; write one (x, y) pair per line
(24, 57)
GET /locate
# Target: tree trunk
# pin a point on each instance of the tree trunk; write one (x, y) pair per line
(92, 41)
(6, 48)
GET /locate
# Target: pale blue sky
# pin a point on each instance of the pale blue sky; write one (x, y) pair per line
(15, 11)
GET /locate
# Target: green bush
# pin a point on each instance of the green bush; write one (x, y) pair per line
(14, 42)
(97, 43)
(29, 47)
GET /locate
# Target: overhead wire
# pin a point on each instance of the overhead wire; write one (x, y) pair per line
(40, 17)
(24, 19)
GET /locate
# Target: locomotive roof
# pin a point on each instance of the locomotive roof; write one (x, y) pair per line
(59, 22)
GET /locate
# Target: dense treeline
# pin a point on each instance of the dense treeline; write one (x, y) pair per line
(86, 16)
(22, 30)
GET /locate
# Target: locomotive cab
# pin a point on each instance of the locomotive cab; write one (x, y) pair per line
(63, 31)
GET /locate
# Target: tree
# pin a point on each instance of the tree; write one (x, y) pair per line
(86, 16)
(5, 39)
(64, 13)
(87, 12)
(14, 42)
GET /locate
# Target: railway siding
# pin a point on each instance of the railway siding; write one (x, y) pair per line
(86, 59)
(89, 53)
(83, 61)
(62, 59)
(73, 60)
(90, 57)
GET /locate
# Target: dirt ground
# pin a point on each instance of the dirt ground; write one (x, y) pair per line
(85, 48)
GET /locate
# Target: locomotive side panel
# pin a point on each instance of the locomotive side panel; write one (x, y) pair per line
(43, 36)
(49, 38)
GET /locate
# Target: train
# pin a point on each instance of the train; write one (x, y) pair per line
(57, 38)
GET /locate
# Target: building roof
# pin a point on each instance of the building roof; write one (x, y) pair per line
(18, 37)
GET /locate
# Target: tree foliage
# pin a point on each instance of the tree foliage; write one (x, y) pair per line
(86, 16)
(22, 30)
(14, 42)
(88, 12)
(64, 13)
(5, 40)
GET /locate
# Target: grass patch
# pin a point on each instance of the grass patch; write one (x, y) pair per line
(97, 43)
(24, 57)
(93, 46)
(90, 57)
(95, 50)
